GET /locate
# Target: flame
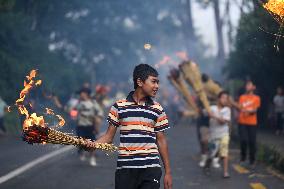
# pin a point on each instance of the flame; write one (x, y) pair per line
(33, 119)
(168, 60)
(182, 55)
(28, 85)
(61, 120)
(276, 7)
(165, 60)
(32, 75)
(49, 111)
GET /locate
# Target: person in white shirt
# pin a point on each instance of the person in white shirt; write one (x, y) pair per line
(89, 114)
(220, 117)
(278, 102)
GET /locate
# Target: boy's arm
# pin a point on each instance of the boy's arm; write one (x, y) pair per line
(222, 119)
(106, 138)
(235, 104)
(163, 149)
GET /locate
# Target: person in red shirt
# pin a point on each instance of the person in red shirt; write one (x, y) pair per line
(248, 106)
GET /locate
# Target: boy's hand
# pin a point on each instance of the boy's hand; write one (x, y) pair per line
(90, 144)
(168, 182)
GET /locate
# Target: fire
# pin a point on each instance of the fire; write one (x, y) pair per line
(182, 55)
(61, 120)
(28, 85)
(35, 130)
(49, 111)
(165, 60)
(276, 7)
(33, 119)
(172, 61)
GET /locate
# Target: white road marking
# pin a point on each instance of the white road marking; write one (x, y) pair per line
(33, 163)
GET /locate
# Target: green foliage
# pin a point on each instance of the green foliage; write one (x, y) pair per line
(254, 53)
(81, 31)
(23, 49)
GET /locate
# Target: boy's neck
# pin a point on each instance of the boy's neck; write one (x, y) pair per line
(86, 99)
(220, 106)
(139, 96)
(250, 92)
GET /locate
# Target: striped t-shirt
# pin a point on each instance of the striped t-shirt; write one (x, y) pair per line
(138, 127)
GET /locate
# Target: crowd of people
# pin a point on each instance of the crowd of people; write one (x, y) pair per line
(142, 122)
(214, 128)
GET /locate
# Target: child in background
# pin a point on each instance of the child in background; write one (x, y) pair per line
(220, 117)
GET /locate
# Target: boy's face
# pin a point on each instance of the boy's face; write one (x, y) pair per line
(279, 91)
(224, 100)
(150, 86)
(84, 96)
(250, 87)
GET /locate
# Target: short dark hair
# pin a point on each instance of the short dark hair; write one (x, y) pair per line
(85, 90)
(204, 77)
(222, 93)
(143, 71)
(250, 81)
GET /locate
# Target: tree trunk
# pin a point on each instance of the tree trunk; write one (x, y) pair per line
(189, 34)
(220, 39)
(190, 19)
(229, 24)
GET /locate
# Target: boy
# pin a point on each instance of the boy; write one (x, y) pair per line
(142, 122)
(220, 117)
(248, 106)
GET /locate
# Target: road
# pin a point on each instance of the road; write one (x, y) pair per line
(26, 166)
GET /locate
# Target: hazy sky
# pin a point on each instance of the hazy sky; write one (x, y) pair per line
(204, 23)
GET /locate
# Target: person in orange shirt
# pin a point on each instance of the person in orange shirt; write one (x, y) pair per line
(248, 106)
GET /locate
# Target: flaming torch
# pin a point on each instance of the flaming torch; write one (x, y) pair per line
(276, 9)
(35, 130)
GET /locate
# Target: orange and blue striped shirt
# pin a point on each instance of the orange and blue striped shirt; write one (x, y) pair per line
(138, 127)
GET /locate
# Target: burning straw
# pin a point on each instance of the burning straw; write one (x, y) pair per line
(276, 9)
(35, 130)
(42, 135)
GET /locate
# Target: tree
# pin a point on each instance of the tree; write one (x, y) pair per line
(255, 56)
(220, 58)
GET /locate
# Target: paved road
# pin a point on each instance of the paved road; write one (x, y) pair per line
(65, 170)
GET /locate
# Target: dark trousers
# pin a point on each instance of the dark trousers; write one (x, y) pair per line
(279, 121)
(247, 135)
(2, 127)
(86, 132)
(138, 178)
